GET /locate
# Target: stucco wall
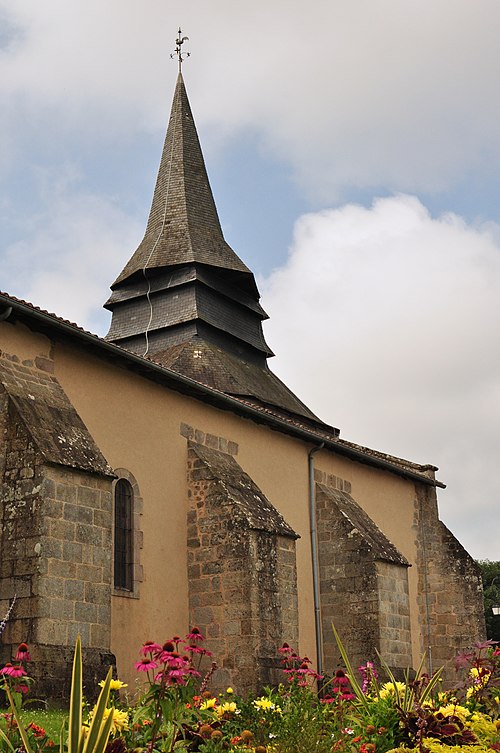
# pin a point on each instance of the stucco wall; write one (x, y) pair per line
(136, 424)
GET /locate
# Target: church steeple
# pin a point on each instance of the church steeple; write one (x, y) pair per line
(183, 225)
(185, 299)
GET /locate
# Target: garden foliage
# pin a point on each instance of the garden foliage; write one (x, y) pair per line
(352, 712)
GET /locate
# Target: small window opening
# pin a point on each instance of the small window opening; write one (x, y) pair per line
(123, 551)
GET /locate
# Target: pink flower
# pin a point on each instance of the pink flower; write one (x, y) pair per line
(23, 653)
(7, 669)
(144, 665)
(17, 671)
(195, 635)
(198, 650)
(150, 647)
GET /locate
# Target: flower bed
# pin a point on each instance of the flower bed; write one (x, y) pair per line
(352, 712)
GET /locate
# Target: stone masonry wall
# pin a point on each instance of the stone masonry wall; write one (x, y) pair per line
(20, 527)
(394, 615)
(348, 590)
(450, 590)
(363, 582)
(56, 550)
(242, 585)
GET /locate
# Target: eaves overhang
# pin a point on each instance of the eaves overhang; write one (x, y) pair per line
(46, 323)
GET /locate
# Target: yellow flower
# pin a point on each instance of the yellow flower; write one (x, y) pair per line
(392, 689)
(208, 704)
(114, 684)
(120, 720)
(480, 678)
(228, 707)
(229, 691)
(453, 709)
(263, 703)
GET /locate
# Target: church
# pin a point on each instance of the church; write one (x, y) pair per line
(164, 477)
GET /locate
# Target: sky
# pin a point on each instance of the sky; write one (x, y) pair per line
(353, 150)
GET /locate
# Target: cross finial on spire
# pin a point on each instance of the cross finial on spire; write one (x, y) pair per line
(178, 48)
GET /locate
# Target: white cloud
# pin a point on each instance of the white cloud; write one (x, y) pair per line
(393, 312)
(387, 322)
(71, 252)
(350, 92)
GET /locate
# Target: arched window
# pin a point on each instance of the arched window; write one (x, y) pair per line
(124, 538)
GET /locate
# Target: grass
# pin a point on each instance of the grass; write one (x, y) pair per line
(51, 721)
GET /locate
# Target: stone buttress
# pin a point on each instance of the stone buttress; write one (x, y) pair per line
(242, 570)
(55, 529)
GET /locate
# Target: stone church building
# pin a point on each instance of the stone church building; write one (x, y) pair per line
(163, 477)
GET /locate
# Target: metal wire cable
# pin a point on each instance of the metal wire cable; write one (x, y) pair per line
(148, 292)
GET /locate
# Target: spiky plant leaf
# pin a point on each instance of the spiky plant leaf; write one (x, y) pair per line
(356, 687)
(94, 734)
(22, 731)
(6, 740)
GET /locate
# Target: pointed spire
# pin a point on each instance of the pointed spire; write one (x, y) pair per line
(183, 225)
(185, 299)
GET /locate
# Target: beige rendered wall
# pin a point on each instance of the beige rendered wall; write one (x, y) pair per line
(136, 425)
(390, 502)
(136, 422)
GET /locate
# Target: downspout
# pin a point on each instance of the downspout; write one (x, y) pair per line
(5, 313)
(315, 560)
(425, 566)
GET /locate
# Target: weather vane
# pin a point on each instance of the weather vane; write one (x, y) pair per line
(178, 49)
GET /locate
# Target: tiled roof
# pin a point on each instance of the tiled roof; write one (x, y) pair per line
(215, 367)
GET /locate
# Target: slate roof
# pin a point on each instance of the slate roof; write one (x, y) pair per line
(50, 419)
(378, 544)
(249, 502)
(215, 367)
(184, 279)
(183, 225)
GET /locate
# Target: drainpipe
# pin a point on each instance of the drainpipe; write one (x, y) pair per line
(5, 313)
(315, 561)
(425, 568)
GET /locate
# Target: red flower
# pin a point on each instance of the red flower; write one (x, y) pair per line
(21, 689)
(37, 731)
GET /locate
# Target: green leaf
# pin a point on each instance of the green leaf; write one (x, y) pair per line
(93, 736)
(75, 704)
(62, 737)
(22, 731)
(356, 687)
(104, 734)
(4, 737)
